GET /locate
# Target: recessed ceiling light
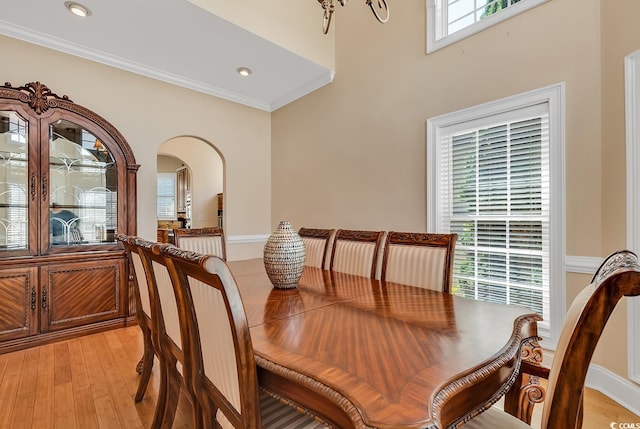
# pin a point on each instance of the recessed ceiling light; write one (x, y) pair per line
(77, 9)
(243, 71)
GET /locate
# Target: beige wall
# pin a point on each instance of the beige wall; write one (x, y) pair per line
(149, 113)
(352, 154)
(168, 164)
(621, 37)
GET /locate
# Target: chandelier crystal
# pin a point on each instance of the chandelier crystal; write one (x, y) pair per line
(380, 11)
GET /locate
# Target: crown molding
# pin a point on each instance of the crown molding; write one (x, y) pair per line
(82, 51)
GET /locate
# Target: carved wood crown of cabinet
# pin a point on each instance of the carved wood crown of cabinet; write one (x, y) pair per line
(40, 99)
(52, 288)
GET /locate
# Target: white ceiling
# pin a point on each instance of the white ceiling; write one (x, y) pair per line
(170, 40)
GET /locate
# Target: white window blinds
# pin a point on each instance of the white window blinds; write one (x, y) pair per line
(494, 180)
(166, 196)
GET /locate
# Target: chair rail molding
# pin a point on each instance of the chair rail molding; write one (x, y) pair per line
(244, 239)
(632, 110)
(582, 264)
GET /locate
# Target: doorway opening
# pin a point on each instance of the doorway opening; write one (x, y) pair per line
(195, 168)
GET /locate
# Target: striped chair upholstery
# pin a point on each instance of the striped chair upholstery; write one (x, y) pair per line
(143, 312)
(618, 276)
(356, 252)
(207, 240)
(168, 335)
(419, 259)
(218, 345)
(316, 245)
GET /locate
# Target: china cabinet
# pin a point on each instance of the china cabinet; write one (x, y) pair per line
(67, 185)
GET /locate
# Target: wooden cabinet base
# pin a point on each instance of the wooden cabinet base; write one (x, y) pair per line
(50, 337)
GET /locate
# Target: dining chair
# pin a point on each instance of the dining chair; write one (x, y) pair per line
(143, 311)
(208, 240)
(217, 346)
(618, 276)
(168, 338)
(316, 244)
(419, 259)
(356, 252)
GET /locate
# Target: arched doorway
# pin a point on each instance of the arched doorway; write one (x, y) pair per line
(205, 168)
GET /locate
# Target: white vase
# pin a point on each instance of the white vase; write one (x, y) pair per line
(284, 256)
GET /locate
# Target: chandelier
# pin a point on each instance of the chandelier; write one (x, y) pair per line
(329, 7)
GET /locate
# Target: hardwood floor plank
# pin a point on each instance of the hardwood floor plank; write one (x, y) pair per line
(132, 349)
(122, 399)
(122, 347)
(9, 387)
(62, 371)
(43, 413)
(64, 412)
(86, 416)
(106, 412)
(3, 365)
(26, 396)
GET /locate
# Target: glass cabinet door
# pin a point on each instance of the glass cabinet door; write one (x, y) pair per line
(83, 187)
(14, 188)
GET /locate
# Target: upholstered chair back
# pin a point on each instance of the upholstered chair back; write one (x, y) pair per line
(141, 279)
(218, 345)
(168, 334)
(356, 252)
(618, 276)
(316, 245)
(207, 241)
(143, 310)
(419, 259)
(218, 348)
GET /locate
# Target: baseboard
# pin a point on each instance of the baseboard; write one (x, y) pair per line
(615, 387)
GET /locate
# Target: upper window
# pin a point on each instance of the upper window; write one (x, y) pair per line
(495, 179)
(451, 20)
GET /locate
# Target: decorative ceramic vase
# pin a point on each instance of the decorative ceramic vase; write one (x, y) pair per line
(284, 256)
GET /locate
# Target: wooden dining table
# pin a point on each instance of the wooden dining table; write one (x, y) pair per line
(363, 353)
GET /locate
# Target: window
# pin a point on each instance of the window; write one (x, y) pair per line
(166, 196)
(495, 179)
(451, 20)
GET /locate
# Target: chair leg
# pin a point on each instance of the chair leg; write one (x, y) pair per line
(173, 394)
(145, 366)
(198, 422)
(161, 403)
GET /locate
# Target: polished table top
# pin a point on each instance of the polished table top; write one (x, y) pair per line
(366, 353)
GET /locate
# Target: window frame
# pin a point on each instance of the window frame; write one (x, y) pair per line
(436, 22)
(554, 96)
(632, 125)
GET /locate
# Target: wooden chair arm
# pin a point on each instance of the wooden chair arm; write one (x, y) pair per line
(535, 370)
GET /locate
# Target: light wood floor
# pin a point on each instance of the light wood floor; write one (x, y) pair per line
(89, 382)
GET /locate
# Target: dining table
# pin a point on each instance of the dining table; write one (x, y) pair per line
(365, 353)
